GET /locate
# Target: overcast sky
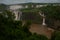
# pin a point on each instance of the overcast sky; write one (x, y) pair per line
(24, 1)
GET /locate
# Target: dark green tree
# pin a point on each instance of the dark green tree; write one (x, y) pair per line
(52, 14)
(13, 30)
(55, 35)
(3, 7)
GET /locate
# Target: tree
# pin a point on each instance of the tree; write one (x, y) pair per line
(55, 35)
(13, 30)
(52, 14)
(9, 28)
(3, 7)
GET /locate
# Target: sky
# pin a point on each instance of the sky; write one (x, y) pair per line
(26, 1)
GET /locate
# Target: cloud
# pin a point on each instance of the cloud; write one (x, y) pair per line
(13, 1)
(46, 1)
(1, 0)
(24, 1)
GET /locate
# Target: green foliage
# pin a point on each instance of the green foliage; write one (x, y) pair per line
(52, 14)
(13, 30)
(30, 10)
(36, 37)
(3, 7)
(56, 35)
